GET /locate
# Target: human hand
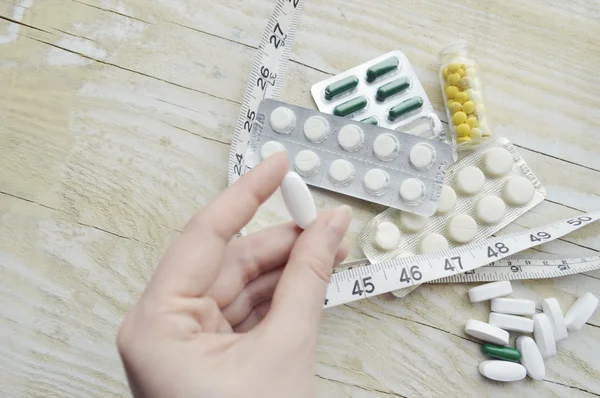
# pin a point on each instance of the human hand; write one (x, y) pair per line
(239, 317)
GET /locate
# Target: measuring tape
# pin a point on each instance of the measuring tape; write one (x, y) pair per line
(462, 264)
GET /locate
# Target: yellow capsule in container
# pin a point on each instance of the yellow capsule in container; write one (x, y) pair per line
(472, 121)
(451, 91)
(458, 118)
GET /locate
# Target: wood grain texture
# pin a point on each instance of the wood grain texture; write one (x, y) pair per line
(115, 123)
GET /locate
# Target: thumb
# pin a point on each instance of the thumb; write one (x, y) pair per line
(299, 296)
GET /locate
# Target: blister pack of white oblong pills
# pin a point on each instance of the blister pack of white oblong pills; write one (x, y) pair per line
(482, 193)
(384, 91)
(387, 167)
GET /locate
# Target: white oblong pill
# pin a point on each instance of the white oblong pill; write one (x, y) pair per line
(432, 243)
(531, 357)
(376, 181)
(350, 137)
(511, 322)
(422, 156)
(411, 222)
(544, 336)
(502, 370)
(306, 162)
(447, 200)
(490, 209)
(269, 148)
(282, 120)
(489, 291)
(387, 236)
(497, 162)
(461, 228)
(486, 332)
(341, 171)
(513, 306)
(551, 307)
(581, 311)
(298, 200)
(412, 190)
(518, 191)
(316, 129)
(469, 180)
(385, 147)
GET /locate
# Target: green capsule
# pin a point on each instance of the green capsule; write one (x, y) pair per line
(351, 106)
(409, 105)
(382, 68)
(498, 351)
(371, 120)
(392, 88)
(341, 86)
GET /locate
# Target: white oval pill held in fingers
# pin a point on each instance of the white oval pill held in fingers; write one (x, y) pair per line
(269, 148)
(316, 129)
(469, 180)
(412, 222)
(518, 191)
(581, 311)
(461, 228)
(282, 120)
(376, 181)
(544, 336)
(513, 306)
(497, 162)
(298, 200)
(341, 171)
(531, 357)
(387, 236)
(511, 322)
(385, 147)
(490, 291)
(490, 209)
(422, 156)
(306, 162)
(433, 243)
(447, 200)
(486, 332)
(551, 307)
(350, 137)
(502, 370)
(412, 190)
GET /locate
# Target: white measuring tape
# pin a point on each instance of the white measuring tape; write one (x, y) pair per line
(463, 264)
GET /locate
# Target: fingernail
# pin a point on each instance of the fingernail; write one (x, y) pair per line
(340, 219)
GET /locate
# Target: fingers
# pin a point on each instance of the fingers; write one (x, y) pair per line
(299, 297)
(255, 317)
(193, 262)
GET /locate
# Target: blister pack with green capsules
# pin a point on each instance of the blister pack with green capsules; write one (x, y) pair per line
(384, 91)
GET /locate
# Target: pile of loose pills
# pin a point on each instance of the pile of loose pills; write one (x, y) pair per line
(513, 315)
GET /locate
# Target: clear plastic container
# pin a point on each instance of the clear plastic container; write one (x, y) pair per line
(463, 96)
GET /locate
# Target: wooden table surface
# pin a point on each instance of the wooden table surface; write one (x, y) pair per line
(116, 118)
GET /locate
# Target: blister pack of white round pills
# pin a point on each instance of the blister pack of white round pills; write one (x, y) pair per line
(384, 91)
(387, 167)
(482, 193)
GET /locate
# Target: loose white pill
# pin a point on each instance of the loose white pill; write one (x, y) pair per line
(581, 311)
(282, 120)
(387, 236)
(316, 129)
(513, 306)
(497, 162)
(412, 190)
(341, 171)
(269, 148)
(518, 191)
(376, 181)
(350, 137)
(502, 370)
(469, 180)
(489, 291)
(422, 156)
(411, 222)
(490, 209)
(298, 200)
(551, 307)
(447, 200)
(531, 357)
(433, 243)
(385, 147)
(486, 332)
(544, 336)
(461, 228)
(306, 162)
(511, 322)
